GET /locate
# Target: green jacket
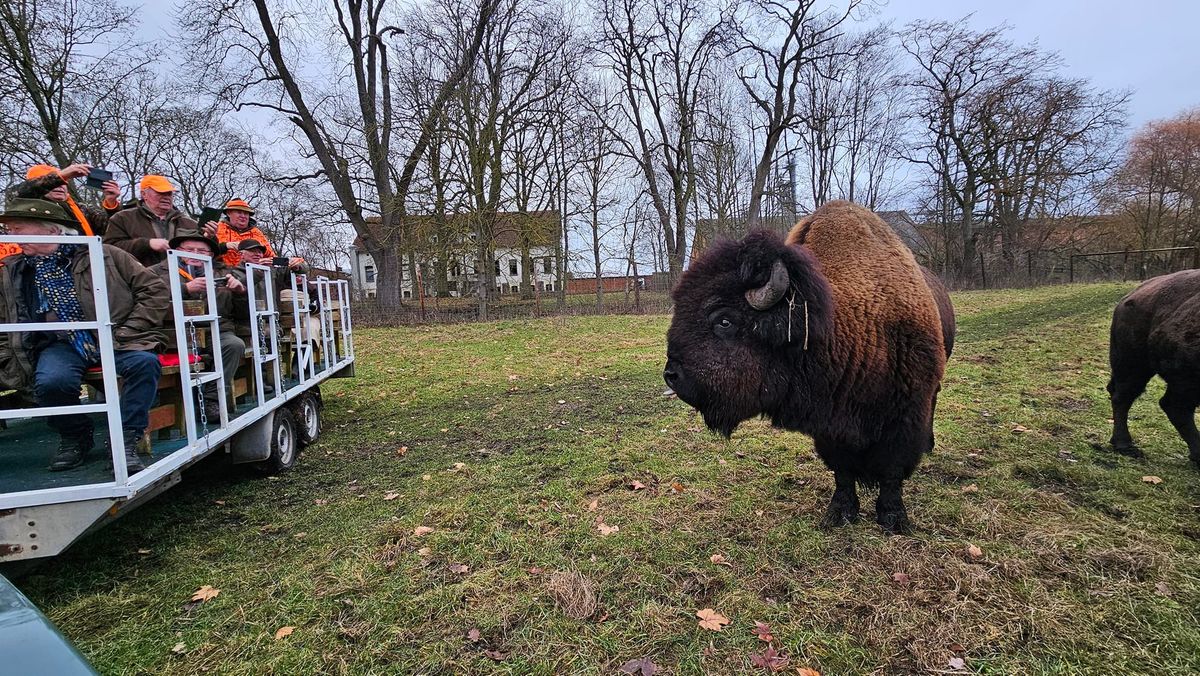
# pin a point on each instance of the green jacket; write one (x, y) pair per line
(225, 297)
(132, 229)
(137, 303)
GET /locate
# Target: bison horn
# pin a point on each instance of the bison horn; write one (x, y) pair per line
(766, 296)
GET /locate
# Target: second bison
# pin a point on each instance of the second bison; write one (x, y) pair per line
(1156, 330)
(834, 332)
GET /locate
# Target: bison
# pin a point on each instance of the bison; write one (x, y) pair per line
(835, 332)
(1156, 330)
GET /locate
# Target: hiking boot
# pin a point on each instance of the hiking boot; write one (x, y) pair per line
(71, 452)
(133, 463)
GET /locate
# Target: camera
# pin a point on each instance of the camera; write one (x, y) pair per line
(220, 281)
(97, 177)
(280, 261)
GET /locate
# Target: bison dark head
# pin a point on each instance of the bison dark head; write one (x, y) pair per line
(738, 338)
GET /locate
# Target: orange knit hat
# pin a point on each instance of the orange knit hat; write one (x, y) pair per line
(238, 205)
(156, 183)
(40, 170)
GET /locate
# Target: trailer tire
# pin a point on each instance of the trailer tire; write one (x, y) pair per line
(285, 442)
(308, 418)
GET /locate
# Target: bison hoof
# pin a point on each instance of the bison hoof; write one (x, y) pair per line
(895, 523)
(839, 515)
(1129, 450)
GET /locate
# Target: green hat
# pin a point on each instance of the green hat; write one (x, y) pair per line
(249, 244)
(28, 209)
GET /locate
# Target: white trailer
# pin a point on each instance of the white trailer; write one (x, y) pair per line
(42, 513)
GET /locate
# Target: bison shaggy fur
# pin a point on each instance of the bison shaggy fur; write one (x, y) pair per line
(835, 332)
(1156, 330)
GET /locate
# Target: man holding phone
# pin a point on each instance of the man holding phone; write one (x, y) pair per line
(194, 286)
(44, 182)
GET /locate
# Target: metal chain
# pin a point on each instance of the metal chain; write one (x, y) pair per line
(194, 353)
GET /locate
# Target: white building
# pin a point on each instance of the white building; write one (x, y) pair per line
(461, 273)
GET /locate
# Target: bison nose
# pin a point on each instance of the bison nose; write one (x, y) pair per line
(671, 374)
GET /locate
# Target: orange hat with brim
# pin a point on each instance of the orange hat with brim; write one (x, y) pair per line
(238, 205)
(40, 170)
(156, 183)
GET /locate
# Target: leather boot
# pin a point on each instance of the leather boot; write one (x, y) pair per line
(72, 449)
(133, 463)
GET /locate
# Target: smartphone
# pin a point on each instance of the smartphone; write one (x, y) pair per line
(220, 281)
(97, 177)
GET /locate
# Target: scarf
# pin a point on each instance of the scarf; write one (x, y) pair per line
(56, 293)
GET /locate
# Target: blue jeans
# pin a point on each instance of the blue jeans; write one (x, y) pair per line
(58, 376)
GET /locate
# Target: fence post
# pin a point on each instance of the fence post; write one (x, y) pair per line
(982, 270)
(1196, 258)
(1071, 270)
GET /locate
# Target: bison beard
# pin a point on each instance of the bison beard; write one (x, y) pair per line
(1156, 329)
(852, 357)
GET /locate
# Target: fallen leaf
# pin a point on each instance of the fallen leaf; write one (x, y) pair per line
(606, 529)
(426, 477)
(1151, 479)
(900, 578)
(283, 632)
(220, 503)
(536, 571)
(144, 552)
(677, 487)
(721, 461)
(769, 659)
(300, 535)
(179, 648)
(445, 429)
(495, 655)
(763, 631)
(637, 485)
(473, 636)
(957, 648)
(562, 401)
(641, 666)
(401, 451)
(974, 553)
(460, 568)
(205, 593)
(970, 489)
(422, 530)
(319, 501)
(805, 671)
(1019, 429)
(711, 619)
(593, 505)
(424, 551)
(957, 663)
(458, 467)
(1163, 589)
(719, 559)
(739, 454)
(391, 496)
(513, 377)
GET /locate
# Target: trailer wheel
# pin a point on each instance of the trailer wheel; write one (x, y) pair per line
(285, 442)
(308, 418)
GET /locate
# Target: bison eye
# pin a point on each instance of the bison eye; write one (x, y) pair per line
(724, 327)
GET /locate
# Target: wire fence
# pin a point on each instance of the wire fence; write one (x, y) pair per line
(1031, 269)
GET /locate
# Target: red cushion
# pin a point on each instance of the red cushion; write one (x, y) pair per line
(164, 360)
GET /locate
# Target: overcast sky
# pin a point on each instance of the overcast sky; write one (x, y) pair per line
(1149, 46)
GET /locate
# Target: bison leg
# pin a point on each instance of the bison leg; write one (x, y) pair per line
(1124, 391)
(1180, 407)
(843, 506)
(889, 508)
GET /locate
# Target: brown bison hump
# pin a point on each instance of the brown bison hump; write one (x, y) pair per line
(886, 319)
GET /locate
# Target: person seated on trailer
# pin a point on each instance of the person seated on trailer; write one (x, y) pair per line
(239, 226)
(194, 286)
(43, 181)
(53, 283)
(255, 252)
(146, 230)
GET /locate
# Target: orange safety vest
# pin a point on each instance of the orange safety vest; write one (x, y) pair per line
(226, 233)
(7, 250)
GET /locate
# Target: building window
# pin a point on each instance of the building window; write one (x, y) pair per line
(497, 267)
(546, 265)
(454, 269)
(407, 294)
(514, 289)
(512, 266)
(550, 287)
(369, 274)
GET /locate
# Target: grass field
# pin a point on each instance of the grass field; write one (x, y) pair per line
(521, 439)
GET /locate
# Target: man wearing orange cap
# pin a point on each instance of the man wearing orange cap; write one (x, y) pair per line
(146, 231)
(44, 182)
(238, 227)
